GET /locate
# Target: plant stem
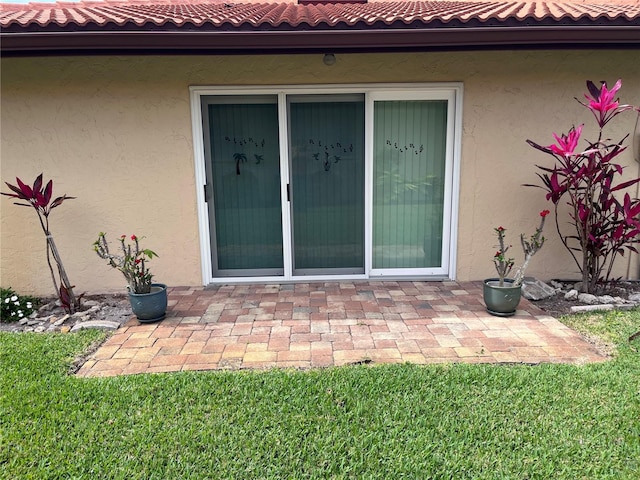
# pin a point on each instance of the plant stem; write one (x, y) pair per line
(52, 250)
(63, 274)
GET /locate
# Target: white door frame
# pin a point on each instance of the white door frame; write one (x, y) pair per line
(452, 92)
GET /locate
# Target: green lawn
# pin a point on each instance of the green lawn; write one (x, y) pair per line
(393, 421)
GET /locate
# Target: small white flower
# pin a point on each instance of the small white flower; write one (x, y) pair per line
(20, 314)
(17, 304)
(14, 298)
(29, 305)
(13, 314)
(7, 300)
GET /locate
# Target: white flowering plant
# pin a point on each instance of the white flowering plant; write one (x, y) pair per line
(13, 307)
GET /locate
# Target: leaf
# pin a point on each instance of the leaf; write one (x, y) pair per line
(593, 90)
(40, 201)
(545, 169)
(12, 195)
(149, 253)
(625, 184)
(17, 190)
(618, 232)
(64, 297)
(58, 201)
(37, 184)
(540, 147)
(48, 190)
(26, 189)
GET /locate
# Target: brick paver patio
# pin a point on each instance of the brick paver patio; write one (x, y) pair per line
(324, 324)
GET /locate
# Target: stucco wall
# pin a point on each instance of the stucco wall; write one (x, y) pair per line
(116, 133)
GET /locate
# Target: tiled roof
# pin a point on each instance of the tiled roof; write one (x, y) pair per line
(285, 14)
(421, 19)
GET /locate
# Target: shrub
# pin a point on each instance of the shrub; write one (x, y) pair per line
(13, 307)
(603, 223)
(40, 198)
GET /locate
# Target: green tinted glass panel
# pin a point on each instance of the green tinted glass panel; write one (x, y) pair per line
(408, 191)
(327, 166)
(246, 185)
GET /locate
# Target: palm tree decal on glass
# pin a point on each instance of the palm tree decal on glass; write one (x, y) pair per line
(244, 145)
(239, 158)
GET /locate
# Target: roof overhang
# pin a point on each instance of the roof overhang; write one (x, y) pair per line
(339, 41)
(278, 28)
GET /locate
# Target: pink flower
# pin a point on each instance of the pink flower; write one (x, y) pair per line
(134, 238)
(123, 237)
(566, 144)
(544, 213)
(602, 102)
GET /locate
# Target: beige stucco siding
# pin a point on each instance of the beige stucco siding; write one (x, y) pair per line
(116, 133)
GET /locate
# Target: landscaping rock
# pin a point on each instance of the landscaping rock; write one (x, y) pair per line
(588, 299)
(47, 306)
(96, 324)
(623, 295)
(591, 308)
(604, 299)
(556, 284)
(101, 311)
(571, 294)
(533, 289)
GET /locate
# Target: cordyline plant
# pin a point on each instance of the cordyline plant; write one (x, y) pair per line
(131, 262)
(530, 247)
(39, 197)
(603, 225)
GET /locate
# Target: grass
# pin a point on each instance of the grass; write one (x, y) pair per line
(390, 421)
(607, 330)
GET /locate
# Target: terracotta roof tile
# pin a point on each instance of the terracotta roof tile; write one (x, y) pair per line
(289, 15)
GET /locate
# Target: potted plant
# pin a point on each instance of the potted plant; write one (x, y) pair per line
(502, 294)
(148, 300)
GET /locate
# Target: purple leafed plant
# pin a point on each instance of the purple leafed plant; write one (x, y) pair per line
(603, 222)
(39, 197)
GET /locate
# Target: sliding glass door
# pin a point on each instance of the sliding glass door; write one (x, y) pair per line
(308, 184)
(326, 135)
(243, 186)
(409, 160)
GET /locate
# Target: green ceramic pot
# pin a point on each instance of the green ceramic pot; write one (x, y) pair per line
(501, 301)
(150, 307)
